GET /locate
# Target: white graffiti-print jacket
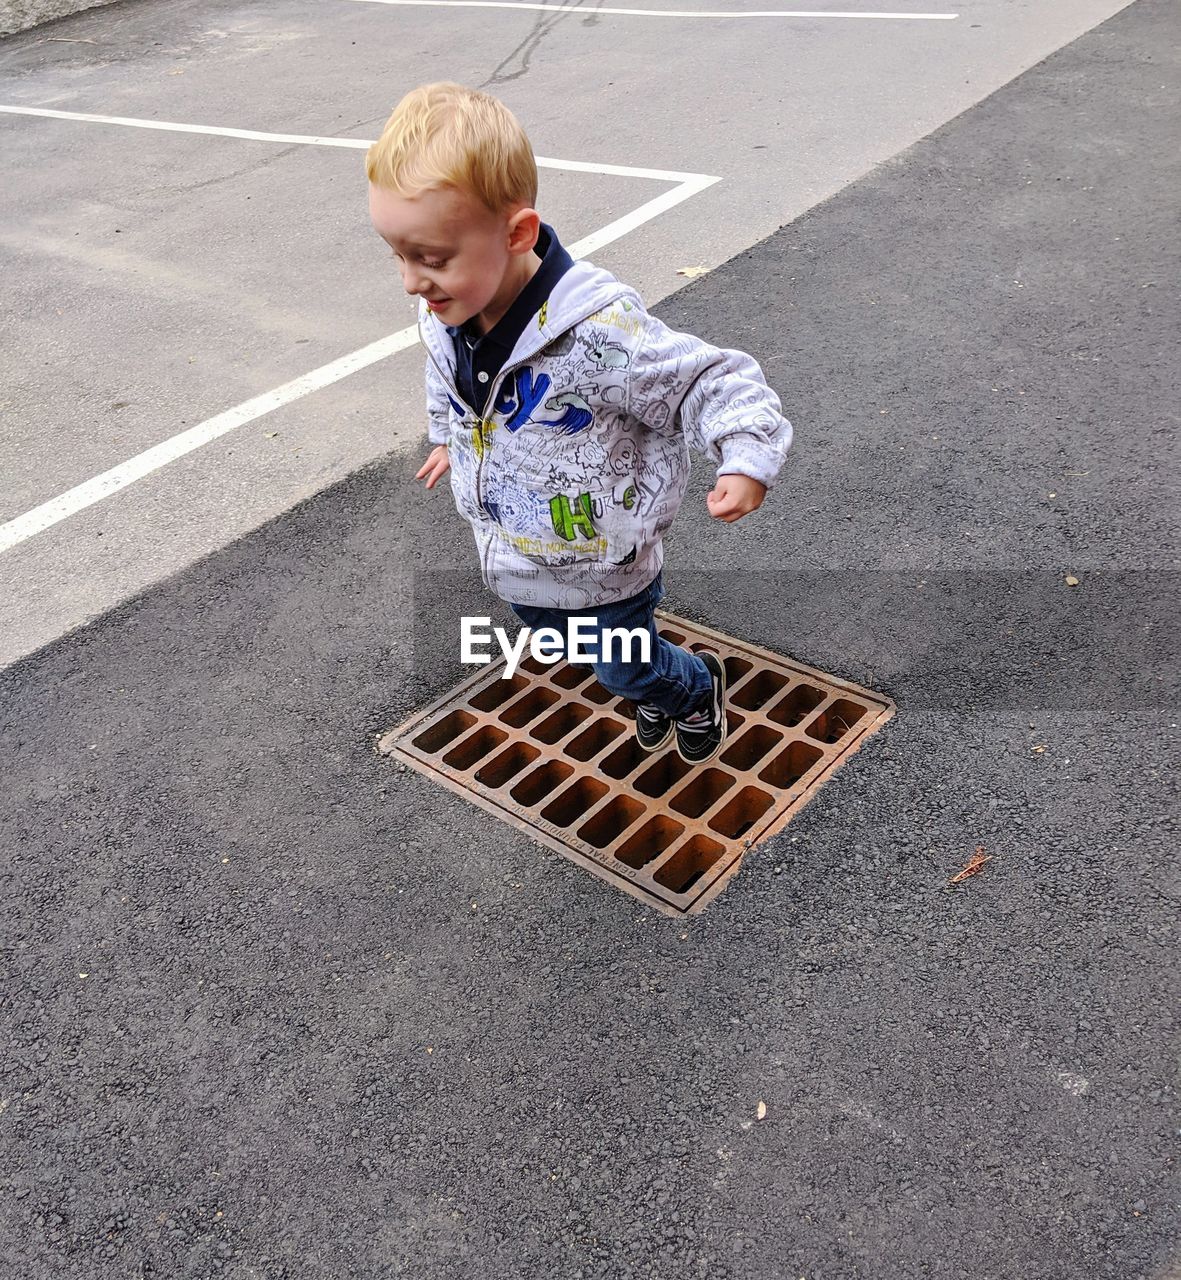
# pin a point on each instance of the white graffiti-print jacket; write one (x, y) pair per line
(574, 467)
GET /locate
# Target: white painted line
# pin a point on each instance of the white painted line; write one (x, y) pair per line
(143, 464)
(593, 11)
(132, 123)
(630, 221)
(312, 140)
(109, 482)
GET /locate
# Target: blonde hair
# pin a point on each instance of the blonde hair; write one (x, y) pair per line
(446, 135)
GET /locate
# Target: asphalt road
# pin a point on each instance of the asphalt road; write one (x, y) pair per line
(275, 1009)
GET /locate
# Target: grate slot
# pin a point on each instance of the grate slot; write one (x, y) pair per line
(660, 779)
(531, 666)
(789, 766)
(611, 821)
(747, 807)
(444, 731)
(759, 689)
(515, 757)
(529, 706)
(535, 786)
(625, 759)
(690, 862)
(592, 740)
(594, 692)
(705, 788)
(578, 797)
(736, 668)
(793, 708)
(552, 751)
(746, 751)
(563, 721)
(475, 747)
(498, 692)
(566, 676)
(649, 841)
(835, 721)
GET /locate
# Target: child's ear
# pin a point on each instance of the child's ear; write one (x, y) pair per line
(523, 229)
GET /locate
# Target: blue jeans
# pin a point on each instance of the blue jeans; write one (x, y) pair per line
(676, 680)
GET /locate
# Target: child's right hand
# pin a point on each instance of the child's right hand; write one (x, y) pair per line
(435, 467)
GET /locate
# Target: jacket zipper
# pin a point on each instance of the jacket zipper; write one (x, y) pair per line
(496, 385)
(482, 413)
(479, 427)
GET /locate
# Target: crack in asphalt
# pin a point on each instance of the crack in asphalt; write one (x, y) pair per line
(542, 26)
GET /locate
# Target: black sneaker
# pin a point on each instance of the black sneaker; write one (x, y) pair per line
(700, 735)
(653, 727)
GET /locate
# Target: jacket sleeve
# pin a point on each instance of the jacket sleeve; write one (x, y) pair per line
(438, 411)
(719, 399)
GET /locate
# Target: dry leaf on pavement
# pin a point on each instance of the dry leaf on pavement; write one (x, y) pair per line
(976, 863)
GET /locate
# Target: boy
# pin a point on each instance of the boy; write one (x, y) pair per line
(561, 408)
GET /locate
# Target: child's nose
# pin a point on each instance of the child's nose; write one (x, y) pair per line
(414, 282)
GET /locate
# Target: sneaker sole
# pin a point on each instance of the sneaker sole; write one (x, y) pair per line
(720, 691)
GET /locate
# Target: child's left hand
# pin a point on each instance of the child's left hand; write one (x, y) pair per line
(735, 496)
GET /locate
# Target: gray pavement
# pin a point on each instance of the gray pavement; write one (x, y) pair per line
(277, 1009)
(154, 279)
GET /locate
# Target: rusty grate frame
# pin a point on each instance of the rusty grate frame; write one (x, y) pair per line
(552, 752)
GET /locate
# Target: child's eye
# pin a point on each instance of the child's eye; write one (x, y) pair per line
(430, 266)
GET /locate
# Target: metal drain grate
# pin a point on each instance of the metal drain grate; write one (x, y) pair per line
(553, 752)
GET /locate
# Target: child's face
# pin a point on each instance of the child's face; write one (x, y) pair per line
(453, 251)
